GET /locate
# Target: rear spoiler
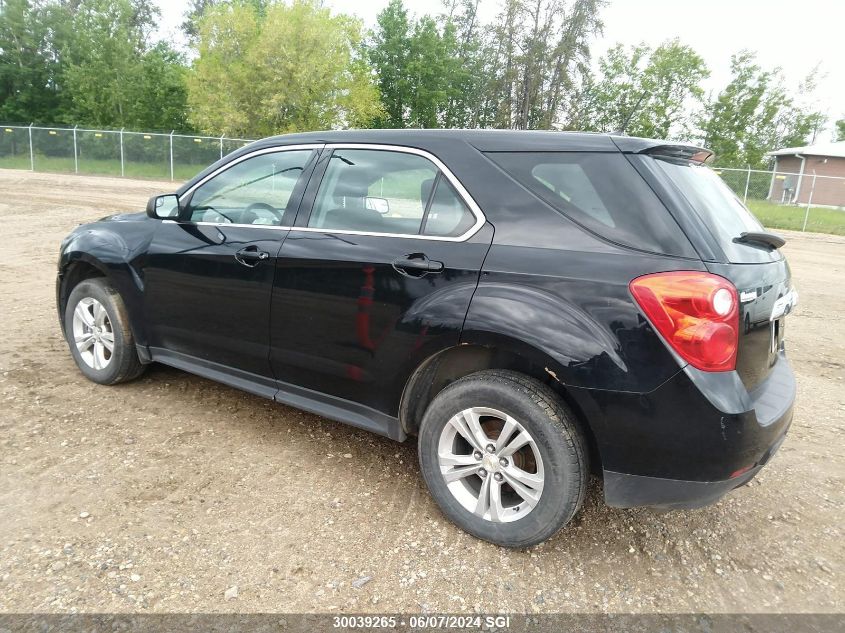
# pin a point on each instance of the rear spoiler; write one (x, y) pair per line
(682, 152)
(678, 151)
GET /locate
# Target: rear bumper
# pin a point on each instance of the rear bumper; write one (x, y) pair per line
(627, 491)
(690, 441)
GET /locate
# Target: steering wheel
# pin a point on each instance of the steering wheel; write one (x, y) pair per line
(207, 207)
(255, 207)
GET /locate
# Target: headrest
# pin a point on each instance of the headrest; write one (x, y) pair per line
(425, 190)
(352, 183)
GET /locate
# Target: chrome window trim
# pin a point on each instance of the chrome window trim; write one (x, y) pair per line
(467, 199)
(229, 225)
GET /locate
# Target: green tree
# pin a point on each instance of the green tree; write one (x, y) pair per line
(160, 102)
(193, 15)
(673, 81)
(570, 57)
(539, 54)
(198, 8)
(610, 97)
(286, 68)
(389, 54)
(657, 89)
(755, 114)
(502, 51)
(428, 76)
(840, 130)
(429, 71)
(112, 76)
(29, 69)
(465, 65)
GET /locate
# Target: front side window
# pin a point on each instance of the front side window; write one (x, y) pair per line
(381, 191)
(254, 191)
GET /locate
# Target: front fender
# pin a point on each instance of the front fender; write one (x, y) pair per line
(115, 249)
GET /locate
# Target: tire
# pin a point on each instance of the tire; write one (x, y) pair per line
(110, 325)
(554, 462)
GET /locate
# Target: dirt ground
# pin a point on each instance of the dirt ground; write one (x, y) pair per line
(164, 494)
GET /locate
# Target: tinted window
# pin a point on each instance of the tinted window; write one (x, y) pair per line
(447, 213)
(716, 205)
(600, 191)
(375, 191)
(254, 191)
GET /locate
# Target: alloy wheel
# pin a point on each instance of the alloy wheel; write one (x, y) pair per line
(93, 334)
(491, 464)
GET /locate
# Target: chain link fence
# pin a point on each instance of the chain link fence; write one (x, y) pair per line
(801, 201)
(781, 199)
(111, 152)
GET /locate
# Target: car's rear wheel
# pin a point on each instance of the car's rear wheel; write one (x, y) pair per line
(503, 458)
(98, 334)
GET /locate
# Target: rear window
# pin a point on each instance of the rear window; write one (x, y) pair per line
(602, 192)
(714, 202)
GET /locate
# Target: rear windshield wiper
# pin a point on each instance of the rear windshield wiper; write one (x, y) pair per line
(762, 237)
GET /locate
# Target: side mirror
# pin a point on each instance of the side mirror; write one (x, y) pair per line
(377, 204)
(163, 207)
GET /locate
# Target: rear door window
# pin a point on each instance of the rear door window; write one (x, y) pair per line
(388, 192)
(373, 191)
(603, 193)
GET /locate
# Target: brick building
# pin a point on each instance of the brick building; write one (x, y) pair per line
(795, 166)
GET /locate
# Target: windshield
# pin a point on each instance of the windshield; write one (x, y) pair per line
(715, 203)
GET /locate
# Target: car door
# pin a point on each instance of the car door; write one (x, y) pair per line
(208, 274)
(376, 275)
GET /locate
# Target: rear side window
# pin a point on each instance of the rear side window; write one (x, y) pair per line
(447, 213)
(603, 193)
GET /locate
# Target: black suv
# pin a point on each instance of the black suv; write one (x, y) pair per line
(531, 306)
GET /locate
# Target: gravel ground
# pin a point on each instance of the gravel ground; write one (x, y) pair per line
(173, 493)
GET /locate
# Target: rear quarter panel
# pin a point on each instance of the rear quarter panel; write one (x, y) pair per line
(558, 295)
(550, 285)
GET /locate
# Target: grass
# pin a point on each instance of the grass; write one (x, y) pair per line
(103, 167)
(777, 216)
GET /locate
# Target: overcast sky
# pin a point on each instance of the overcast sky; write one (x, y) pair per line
(793, 35)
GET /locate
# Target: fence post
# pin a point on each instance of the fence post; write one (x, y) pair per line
(171, 155)
(75, 154)
(31, 153)
(772, 182)
(121, 152)
(221, 146)
(809, 202)
(747, 182)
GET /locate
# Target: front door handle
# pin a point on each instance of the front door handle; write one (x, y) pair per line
(250, 256)
(416, 265)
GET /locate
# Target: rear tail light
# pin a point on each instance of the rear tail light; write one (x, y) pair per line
(695, 312)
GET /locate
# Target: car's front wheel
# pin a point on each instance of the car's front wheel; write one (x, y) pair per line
(503, 457)
(98, 334)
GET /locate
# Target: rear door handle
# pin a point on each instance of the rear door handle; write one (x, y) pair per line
(250, 256)
(416, 265)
